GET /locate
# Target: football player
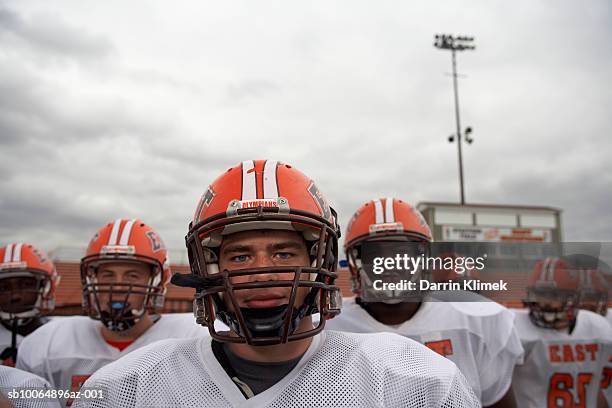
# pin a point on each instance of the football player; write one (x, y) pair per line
(124, 276)
(263, 250)
(565, 349)
(477, 335)
(27, 286)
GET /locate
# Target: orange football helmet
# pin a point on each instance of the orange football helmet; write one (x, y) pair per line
(262, 195)
(125, 241)
(385, 219)
(28, 280)
(552, 293)
(593, 291)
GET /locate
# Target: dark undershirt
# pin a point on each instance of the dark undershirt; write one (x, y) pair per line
(251, 377)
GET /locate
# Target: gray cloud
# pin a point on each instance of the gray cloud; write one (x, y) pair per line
(45, 33)
(254, 88)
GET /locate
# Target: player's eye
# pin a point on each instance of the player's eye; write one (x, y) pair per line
(134, 276)
(284, 255)
(239, 258)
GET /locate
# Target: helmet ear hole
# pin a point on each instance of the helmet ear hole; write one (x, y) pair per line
(210, 256)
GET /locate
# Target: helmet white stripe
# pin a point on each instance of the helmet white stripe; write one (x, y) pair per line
(249, 184)
(389, 213)
(17, 252)
(270, 187)
(112, 240)
(8, 254)
(127, 230)
(379, 212)
(552, 264)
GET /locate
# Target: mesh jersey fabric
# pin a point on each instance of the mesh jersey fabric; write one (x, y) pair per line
(478, 336)
(18, 379)
(67, 351)
(337, 370)
(555, 358)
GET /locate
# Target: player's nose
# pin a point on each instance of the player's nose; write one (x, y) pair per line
(263, 260)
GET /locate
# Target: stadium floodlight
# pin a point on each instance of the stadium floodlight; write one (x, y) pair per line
(454, 44)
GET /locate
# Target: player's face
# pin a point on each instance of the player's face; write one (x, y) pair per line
(259, 249)
(18, 294)
(553, 306)
(124, 274)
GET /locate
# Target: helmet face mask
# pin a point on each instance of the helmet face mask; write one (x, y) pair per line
(384, 228)
(120, 303)
(27, 283)
(124, 274)
(21, 294)
(363, 276)
(242, 295)
(310, 285)
(552, 294)
(552, 308)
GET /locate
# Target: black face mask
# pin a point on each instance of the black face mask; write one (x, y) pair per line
(263, 322)
(267, 322)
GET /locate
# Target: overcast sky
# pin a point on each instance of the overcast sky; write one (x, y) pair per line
(130, 109)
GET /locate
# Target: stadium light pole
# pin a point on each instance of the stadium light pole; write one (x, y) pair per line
(454, 44)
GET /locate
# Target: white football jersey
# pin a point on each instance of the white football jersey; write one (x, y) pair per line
(561, 369)
(609, 316)
(17, 381)
(338, 369)
(6, 340)
(67, 351)
(477, 336)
